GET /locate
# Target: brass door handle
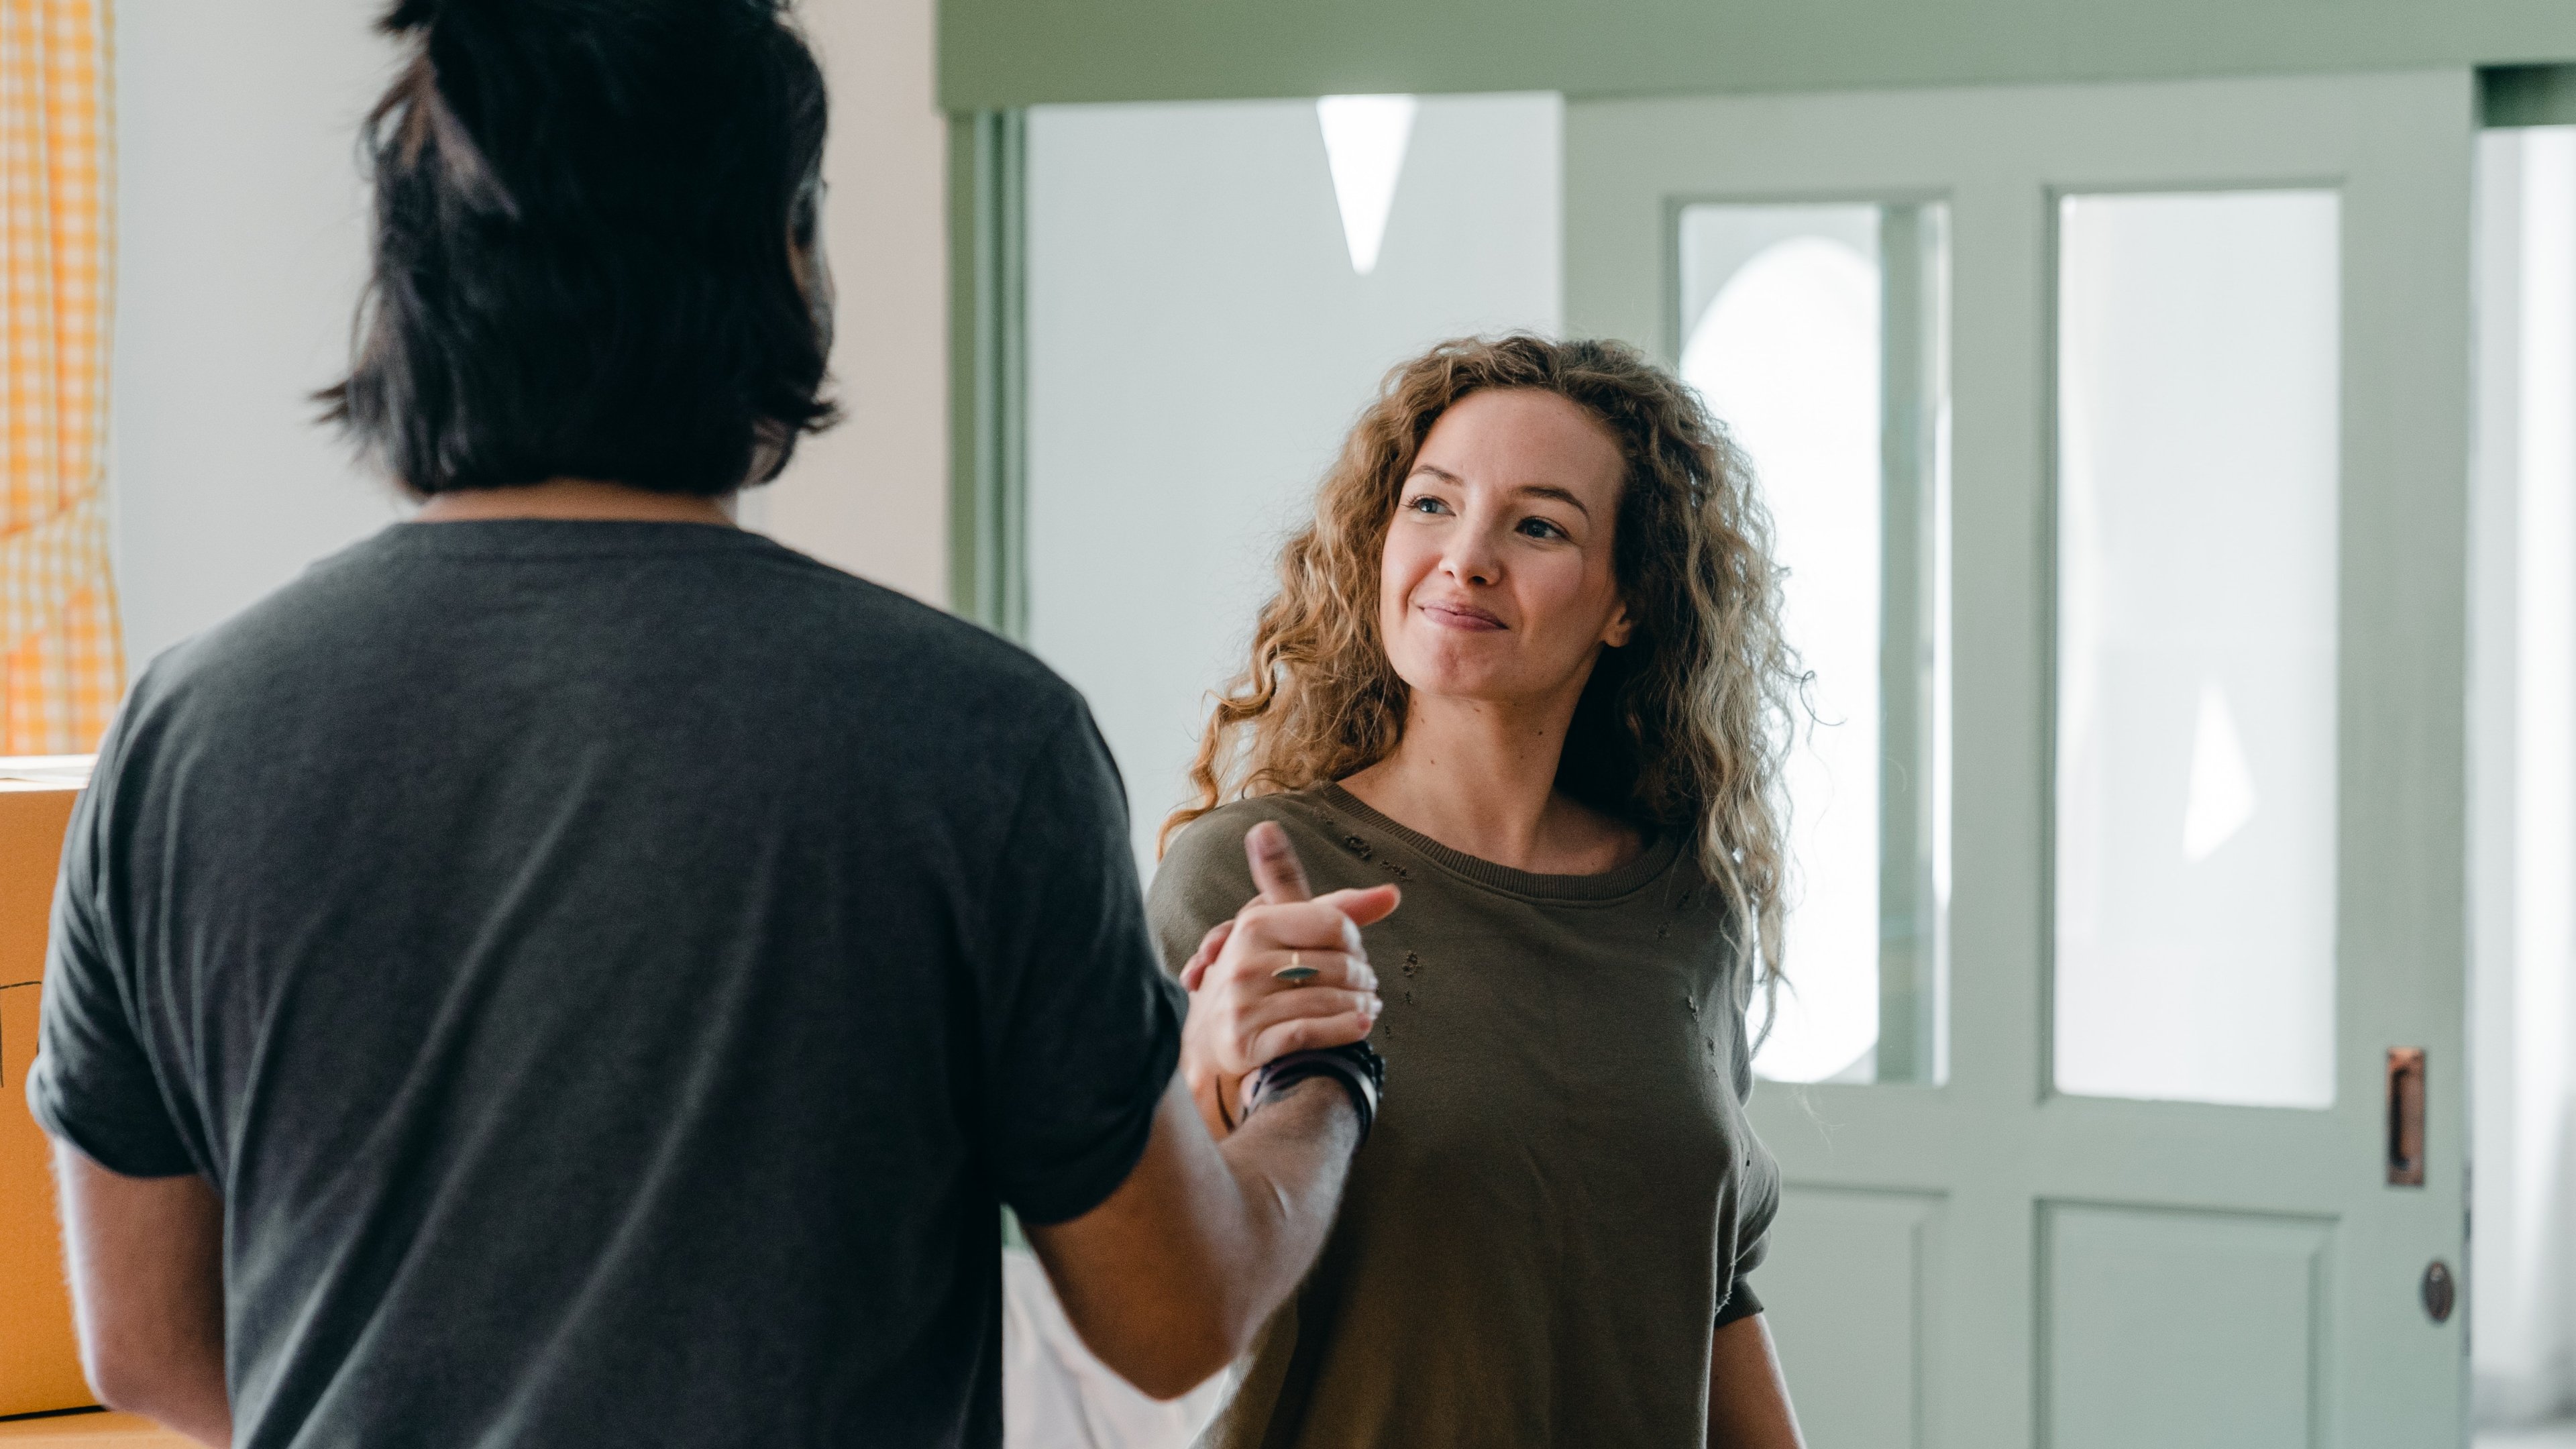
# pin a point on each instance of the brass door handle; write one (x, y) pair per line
(2406, 1116)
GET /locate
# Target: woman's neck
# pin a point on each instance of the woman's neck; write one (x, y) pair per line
(1481, 779)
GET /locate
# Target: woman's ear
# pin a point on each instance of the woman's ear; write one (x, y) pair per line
(1616, 632)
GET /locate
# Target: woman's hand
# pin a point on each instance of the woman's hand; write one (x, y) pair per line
(1242, 1013)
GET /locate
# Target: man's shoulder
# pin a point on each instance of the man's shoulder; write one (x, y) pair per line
(891, 645)
(929, 630)
(785, 614)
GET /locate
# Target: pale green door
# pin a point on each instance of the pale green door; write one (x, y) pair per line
(2118, 436)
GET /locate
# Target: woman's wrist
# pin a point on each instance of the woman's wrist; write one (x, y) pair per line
(1217, 1096)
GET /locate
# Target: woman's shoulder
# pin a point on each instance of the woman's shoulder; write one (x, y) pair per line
(1204, 877)
(1212, 844)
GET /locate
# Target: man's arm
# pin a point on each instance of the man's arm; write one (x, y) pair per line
(146, 1257)
(1171, 1275)
(1169, 1278)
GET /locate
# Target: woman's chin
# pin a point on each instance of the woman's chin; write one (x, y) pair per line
(1477, 687)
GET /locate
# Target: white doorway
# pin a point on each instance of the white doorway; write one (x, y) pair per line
(2523, 989)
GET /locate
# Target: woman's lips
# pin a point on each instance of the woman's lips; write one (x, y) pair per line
(1461, 616)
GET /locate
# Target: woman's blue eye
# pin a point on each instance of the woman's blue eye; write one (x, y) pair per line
(1541, 528)
(1425, 505)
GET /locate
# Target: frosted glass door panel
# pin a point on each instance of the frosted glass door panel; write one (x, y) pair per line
(2198, 468)
(1815, 333)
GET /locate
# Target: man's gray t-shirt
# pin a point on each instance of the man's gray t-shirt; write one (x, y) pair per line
(610, 971)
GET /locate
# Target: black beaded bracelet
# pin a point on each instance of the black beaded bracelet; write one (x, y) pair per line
(1357, 1066)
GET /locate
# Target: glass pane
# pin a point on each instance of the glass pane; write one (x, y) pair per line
(1816, 333)
(2197, 460)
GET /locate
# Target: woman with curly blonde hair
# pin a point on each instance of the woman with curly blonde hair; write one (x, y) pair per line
(1525, 665)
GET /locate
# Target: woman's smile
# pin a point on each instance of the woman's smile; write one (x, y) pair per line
(1459, 614)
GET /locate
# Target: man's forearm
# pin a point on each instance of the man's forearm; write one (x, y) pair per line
(148, 1293)
(1169, 1279)
(1289, 1164)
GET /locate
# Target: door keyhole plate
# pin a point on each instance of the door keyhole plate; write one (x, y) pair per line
(2440, 1293)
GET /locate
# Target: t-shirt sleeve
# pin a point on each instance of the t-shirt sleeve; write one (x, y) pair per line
(1740, 1300)
(1757, 1201)
(1757, 1187)
(1081, 1030)
(92, 1083)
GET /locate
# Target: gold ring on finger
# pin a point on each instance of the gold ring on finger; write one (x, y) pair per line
(1295, 973)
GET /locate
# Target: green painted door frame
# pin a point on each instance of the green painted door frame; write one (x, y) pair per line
(997, 54)
(988, 370)
(2527, 95)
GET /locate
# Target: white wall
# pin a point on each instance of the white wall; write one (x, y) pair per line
(240, 248)
(242, 244)
(1199, 343)
(872, 494)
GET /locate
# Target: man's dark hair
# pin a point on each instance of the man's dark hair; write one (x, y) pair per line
(590, 221)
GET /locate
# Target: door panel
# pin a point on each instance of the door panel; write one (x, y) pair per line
(1859, 1266)
(2114, 1269)
(2133, 1352)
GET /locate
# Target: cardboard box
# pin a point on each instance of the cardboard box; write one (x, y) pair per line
(39, 1361)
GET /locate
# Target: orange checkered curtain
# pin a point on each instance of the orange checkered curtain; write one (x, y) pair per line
(62, 662)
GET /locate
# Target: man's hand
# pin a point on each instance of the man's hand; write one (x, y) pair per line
(1242, 1012)
(1169, 1279)
(148, 1293)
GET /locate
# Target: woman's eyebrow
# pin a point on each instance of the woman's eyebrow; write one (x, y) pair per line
(1550, 490)
(1526, 490)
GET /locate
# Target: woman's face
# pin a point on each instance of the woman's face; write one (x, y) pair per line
(1496, 584)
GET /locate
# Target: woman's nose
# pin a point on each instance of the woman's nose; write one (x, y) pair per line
(1474, 559)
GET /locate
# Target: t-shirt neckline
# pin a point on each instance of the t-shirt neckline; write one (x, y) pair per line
(1649, 865)
(568, 537)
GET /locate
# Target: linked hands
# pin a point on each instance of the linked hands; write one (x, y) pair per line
(1242, 1012)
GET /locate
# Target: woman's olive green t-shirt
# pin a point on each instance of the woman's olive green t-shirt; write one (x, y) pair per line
(1561, 1198)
